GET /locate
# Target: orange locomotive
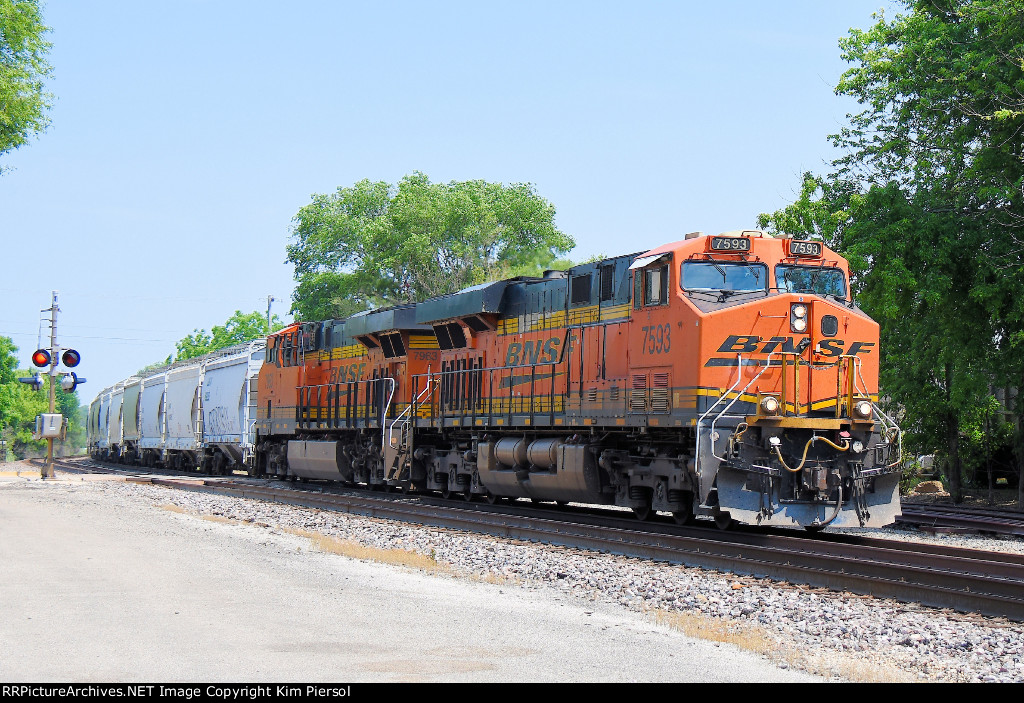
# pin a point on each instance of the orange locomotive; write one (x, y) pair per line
(728, 376)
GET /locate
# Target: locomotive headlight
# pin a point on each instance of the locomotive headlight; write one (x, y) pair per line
(769, 405)
(798, 317)
(857, 446)
(862, 408)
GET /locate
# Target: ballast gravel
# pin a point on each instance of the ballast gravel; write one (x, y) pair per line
(834, 634)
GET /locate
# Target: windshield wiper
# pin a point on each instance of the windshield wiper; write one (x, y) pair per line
(692, 291)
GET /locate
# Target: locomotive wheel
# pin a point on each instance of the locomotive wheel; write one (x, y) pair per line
(814, 528)
(467, 494)
(446, 492)
(684, 516)
(724, 521)
(493, 499)
(643, 514)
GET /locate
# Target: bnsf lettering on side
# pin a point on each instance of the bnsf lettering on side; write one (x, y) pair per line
(750, 344)
(348, 373)
(541, 351)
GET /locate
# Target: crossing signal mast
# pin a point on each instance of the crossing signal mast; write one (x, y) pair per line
(50, 426)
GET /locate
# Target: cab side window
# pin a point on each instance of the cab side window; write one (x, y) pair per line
(656, 285)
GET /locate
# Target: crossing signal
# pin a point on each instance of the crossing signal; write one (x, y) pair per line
(41, 358)
(35, 381)
(70, 382)
(71, 358)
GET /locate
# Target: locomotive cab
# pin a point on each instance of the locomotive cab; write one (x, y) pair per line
(789, 431)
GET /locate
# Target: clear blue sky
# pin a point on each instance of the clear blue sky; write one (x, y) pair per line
(186, 135)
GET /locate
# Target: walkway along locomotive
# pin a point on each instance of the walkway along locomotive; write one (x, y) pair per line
(727, 376)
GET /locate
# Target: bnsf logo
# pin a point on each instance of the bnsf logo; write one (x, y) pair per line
(542, 351)
(347, 373)
(749, 344)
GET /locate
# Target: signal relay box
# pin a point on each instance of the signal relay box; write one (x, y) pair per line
(49, 426)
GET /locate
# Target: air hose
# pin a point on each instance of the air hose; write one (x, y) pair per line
(803, 459)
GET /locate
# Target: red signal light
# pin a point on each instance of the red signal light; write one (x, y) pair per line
(71, 358)
(41, 358)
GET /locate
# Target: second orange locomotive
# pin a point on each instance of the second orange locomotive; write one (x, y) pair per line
(728, 376)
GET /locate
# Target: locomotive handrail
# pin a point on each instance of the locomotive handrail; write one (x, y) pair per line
(700, 421)
(408, 409)
(891, 423)
(384, 410)
(767, 365)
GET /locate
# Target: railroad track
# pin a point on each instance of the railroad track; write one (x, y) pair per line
(960, 518)
(971, 581)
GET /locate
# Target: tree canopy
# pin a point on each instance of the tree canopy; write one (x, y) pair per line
(239, 328)
(374, 243)
(24, 102)
(927, 202)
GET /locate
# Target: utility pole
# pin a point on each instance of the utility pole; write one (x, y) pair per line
(270, 299)
(47, 425)
(47, 471)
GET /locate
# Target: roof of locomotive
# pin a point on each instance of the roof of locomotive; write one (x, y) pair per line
(507, 296)
(481, 298)
(493, 297)
(397, 317)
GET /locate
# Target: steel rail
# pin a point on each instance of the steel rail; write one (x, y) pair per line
(958, 517)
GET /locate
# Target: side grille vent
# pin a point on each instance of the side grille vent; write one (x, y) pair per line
(638, 394)
(659, 393)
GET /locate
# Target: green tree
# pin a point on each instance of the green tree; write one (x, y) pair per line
(23, 67)
(373, 243)
(8, 377)
(67, 404)
(926, 201)
(239, 328)
(8, 360)
(21, 405)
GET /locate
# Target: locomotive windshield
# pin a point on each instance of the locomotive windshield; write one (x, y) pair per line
(811, 279)
(721, 275)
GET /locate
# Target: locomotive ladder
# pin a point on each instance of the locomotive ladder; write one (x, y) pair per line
(708, 431)
(394, 447)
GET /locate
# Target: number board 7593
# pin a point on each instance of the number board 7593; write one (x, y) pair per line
(730, 244)
(799, 247)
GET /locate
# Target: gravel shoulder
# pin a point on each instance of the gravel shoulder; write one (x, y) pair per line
(785, 627)
(111, 581)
